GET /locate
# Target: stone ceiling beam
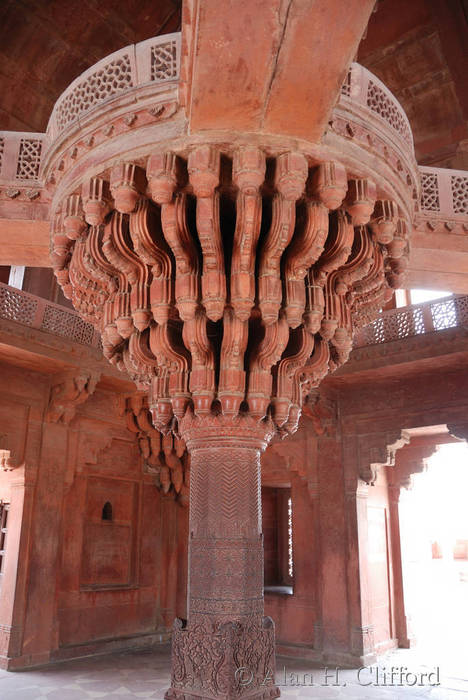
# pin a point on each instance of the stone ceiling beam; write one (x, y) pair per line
(245, 61)
(24, 242)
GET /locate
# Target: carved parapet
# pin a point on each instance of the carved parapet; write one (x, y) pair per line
(215, 314)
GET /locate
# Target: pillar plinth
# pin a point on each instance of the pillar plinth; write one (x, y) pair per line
(226, 647)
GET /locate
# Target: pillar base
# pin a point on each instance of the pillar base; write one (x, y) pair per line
(223, 659)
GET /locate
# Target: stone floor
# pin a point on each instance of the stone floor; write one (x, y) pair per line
(146, 675)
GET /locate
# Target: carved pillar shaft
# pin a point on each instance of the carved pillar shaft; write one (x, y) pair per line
(226, 549)
(403, 629)
(226, 649)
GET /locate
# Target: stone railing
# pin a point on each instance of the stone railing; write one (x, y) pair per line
(20, 157)
(444, 193)
(364, 88)
(409, 321)
(35, 312)
(149, 62)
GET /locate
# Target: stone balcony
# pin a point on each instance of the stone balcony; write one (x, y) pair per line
(135, 96)
(39, 335)
(419, 331)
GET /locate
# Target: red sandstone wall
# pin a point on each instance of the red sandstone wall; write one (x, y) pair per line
(82, 580)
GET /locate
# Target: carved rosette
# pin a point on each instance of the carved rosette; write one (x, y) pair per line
(227, 281)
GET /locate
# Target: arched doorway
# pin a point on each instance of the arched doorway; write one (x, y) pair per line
(433, 513)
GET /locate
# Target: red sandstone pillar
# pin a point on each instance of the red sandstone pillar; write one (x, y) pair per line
(13, 582)
(402, 621)
(226, 648)
(359, 595)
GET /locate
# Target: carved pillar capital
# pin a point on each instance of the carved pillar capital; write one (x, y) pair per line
(225, 431)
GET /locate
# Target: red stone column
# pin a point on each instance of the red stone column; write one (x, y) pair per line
(402, 621)
(226, 648)
(13, 584)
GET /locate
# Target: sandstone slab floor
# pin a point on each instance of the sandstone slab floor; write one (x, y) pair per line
(145, 674)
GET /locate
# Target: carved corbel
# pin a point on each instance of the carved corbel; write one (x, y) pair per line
(203, 168)
(397, 246)
(304, 250)
(131, 303)
(6, 464)
(299, 351)
(384, 221)
(248, 174)
(305, 378)
(152, 249)
(329, 184)
(9, 456)
(231, 390)
(360, 200)
(187, 263)
(127, 185)
(162, 176)
(315, 302)
(164, 457)
(202, 376)
(333, 259)
(163, 180)
(265, 356)
(378, 450)
(96, 200)
(143, 359)
(74, 222)
(69, 392)
(166, 345)
(62, 247)
(290, 179)
(339, 246)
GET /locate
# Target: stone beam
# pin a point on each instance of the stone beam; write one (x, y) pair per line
(24, 242)
(438, 260)
(246, 61)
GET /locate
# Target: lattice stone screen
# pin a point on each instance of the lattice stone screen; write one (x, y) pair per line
(67, 325)
(380, 102)
(29, 159)
(110, 80)
(16, 307)
(164, 61)
(410, 321)
(444, 314)
(429, 192)
(459, 194)
(24, 308)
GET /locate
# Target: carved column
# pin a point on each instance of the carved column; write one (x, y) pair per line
(225, 282)
(403, 630)
(226, 648)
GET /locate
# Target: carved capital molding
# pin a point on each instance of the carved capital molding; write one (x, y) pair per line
(68, 392)
(224, 431)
